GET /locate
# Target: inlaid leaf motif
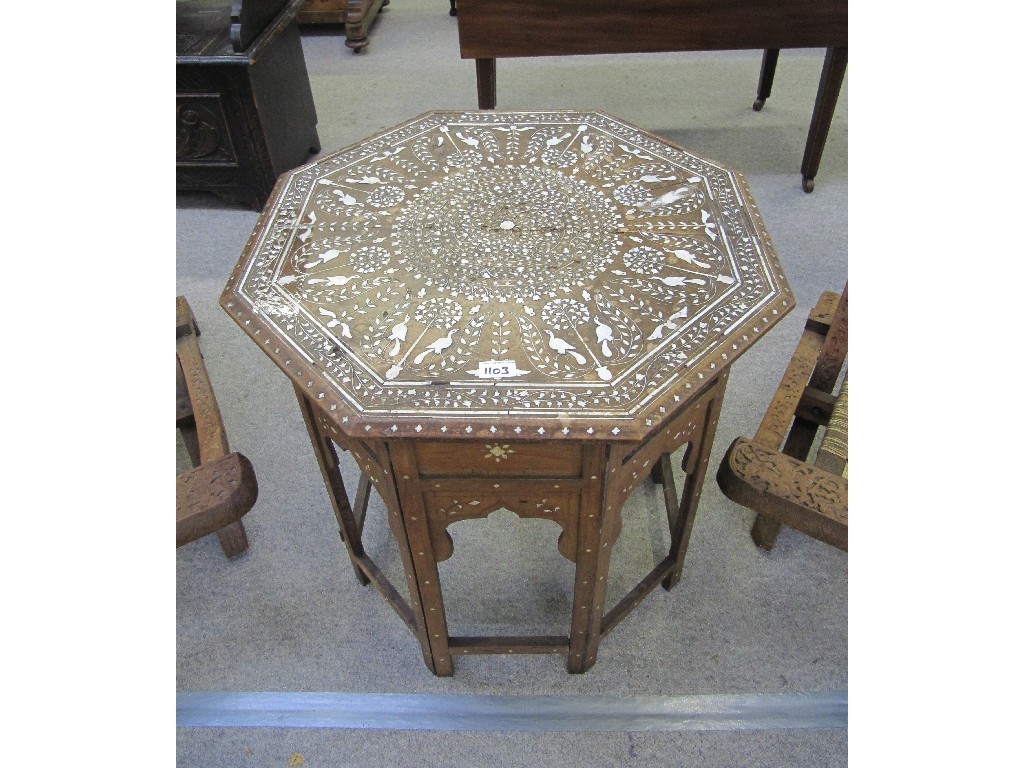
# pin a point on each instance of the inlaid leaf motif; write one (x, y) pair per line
(655, 291)
(565, 314)
(382, 335)
(626, 338)
(644, 260)
(501, 333)
(467, 342)
(513, 140)
(601, 147)
(544, 139)
(649, 173)
(488, 144)
(369, 259)
(423, 149)
(322, 292)
(318, 252)
(438, 311)
(607, 172)
(536, 348)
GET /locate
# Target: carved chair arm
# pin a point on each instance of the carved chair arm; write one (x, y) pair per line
(213, 442)
(793, 492)
(779, 414)
(214, 495)
(221, 487)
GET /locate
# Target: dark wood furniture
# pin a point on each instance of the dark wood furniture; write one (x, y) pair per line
(357, 16)
(494, 29)
(774, 474)
(244, 111)
(528, 311)
(221, 487)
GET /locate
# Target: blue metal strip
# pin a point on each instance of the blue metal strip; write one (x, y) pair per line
(715, 712)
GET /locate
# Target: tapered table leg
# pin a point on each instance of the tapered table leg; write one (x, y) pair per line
(764, 84)
(832, 73)
(486, 83)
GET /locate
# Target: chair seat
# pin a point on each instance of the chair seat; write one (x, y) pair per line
(833, 455)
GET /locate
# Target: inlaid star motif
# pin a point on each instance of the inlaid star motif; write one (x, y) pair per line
(498, 452)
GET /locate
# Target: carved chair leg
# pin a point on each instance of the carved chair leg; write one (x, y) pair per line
(764, 531)
(233, 539)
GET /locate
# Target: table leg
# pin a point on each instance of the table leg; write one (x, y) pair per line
(424, 579)
(327, 459)
(695, 464)
(764, 84)
(598, 529)
(832, 73)
(486, 83)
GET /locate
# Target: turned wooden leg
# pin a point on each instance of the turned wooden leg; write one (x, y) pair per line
(486, 83)
(764, 531)
(832, 73)
(764, 83)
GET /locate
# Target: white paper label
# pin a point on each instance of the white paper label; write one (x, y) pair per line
(497, 369)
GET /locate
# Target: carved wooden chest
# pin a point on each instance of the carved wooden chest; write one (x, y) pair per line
(244, 111)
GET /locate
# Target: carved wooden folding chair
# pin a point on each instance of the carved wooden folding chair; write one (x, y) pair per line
(774, 474)
(221, 487)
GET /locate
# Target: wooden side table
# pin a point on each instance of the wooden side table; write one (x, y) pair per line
(528, 311)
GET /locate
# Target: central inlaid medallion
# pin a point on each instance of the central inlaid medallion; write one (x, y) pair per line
(508, 232)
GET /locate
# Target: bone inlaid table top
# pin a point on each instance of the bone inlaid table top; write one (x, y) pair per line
(527, 311)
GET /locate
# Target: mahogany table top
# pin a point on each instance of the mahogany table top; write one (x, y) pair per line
(536, 275)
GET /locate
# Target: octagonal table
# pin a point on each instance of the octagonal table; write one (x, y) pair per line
(528, 311)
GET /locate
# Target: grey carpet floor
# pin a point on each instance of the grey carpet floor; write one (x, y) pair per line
(289, 616)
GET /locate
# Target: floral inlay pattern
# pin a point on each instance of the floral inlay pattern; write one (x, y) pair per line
(530, 264)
